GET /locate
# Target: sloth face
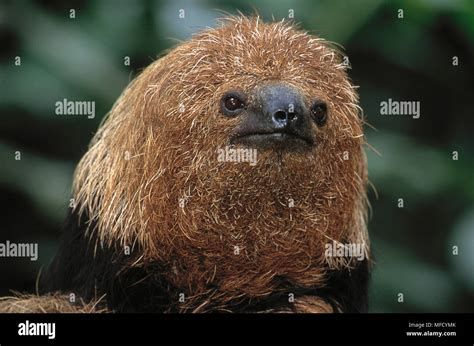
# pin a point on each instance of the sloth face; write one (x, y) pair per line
(268, 87)
(189, 201)
(275, 117)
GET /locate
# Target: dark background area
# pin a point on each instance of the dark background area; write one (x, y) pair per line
(405, 59)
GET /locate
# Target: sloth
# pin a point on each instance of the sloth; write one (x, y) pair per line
(162, 222)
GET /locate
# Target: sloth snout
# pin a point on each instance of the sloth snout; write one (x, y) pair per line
(276, 118)
(282, 118)
(283, 105)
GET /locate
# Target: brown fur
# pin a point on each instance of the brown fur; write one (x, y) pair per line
(158, 146)
(173, 156)
(51, 303)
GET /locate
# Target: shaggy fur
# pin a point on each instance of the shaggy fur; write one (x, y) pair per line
(151, 181)
(49, 303)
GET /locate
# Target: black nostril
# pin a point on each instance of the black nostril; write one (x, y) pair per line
(280, 116)
(282, 107)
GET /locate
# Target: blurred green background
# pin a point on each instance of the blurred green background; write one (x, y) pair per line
(408, 59)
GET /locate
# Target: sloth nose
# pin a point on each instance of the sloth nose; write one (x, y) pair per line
(282, 117)
(276, 119)
(281, 105)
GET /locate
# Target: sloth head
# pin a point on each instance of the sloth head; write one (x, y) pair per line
(232, 161)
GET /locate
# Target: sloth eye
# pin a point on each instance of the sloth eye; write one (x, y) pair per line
(319, 113)
(232, 103)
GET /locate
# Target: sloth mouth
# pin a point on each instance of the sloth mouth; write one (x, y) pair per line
(273, 139)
